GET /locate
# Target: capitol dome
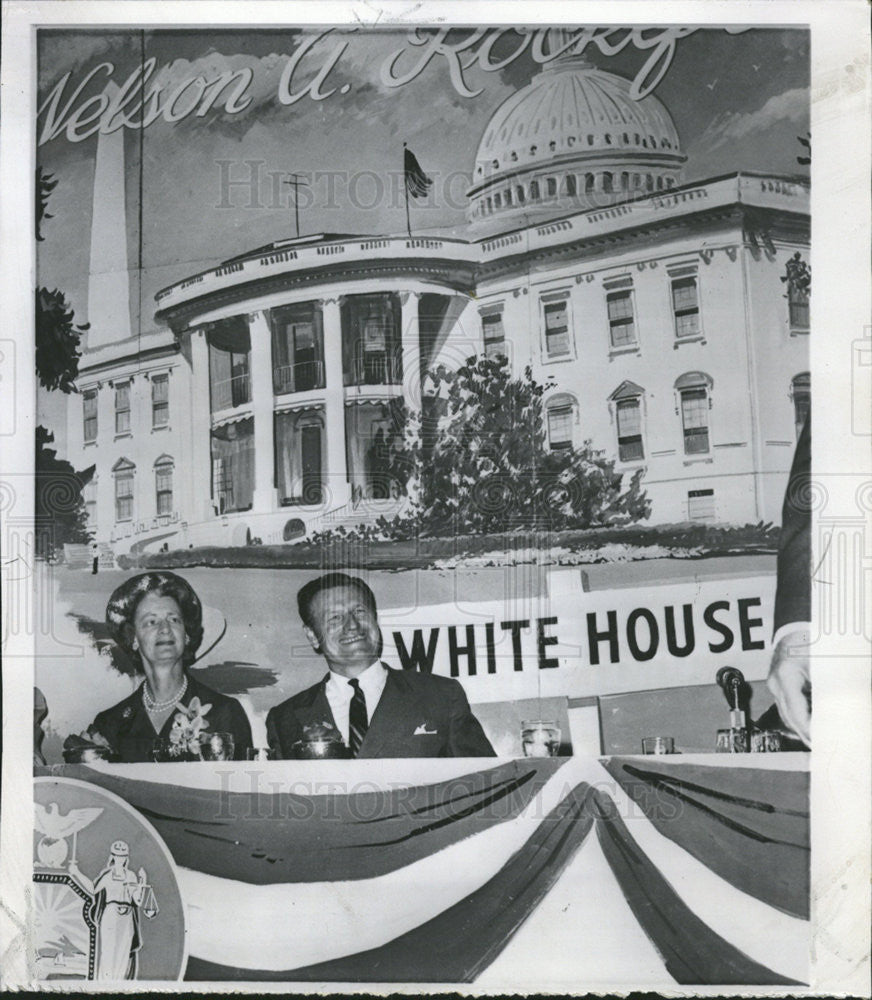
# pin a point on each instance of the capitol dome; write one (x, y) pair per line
(573, 138)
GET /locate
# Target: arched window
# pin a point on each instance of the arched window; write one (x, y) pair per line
(607, 182)
(694, 400)
(519, 193)
(534, 190)
(551, 185)
(589, 182)
(800, 393)
(498, 200)
(124, 472)
(561, 412)
(163, 483)
(570, 185)
(659, 183)
(627, 403)
(625, 181)
(508, 196)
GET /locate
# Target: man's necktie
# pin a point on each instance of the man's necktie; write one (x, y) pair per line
(358, 721)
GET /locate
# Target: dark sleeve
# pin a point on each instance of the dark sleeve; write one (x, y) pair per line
(228, 716)
(241, 729)
(466, 738)
(793, 586)
(282, 730)
(106, 723)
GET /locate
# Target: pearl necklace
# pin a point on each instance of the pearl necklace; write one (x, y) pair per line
(156, 707)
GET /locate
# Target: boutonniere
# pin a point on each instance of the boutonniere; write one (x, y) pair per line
(188, 723)
(127, 713)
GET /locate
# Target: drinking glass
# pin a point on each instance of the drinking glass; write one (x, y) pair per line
(216, 746)
(658, 744)
(160, 752)
(540, 739)
(765, 741)
(733, 740)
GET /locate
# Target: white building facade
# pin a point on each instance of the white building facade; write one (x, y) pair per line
(655, 311)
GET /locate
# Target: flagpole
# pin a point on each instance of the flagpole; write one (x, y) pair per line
(406, 191)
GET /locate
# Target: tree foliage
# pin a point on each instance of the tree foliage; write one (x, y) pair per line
(487, 466)
(60, 509)
(60, 513)
(57, 341)
(45, 184)
(797, 275)
(57, 334)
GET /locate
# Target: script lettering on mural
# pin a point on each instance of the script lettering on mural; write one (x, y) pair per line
(78, 111)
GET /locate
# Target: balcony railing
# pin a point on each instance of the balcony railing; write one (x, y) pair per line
(375, 369)
(230, 392)
(300, 377)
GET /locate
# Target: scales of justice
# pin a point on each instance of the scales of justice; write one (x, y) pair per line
(84, 929)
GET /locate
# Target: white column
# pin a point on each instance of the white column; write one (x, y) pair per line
(411, 349)
(336, 480)
(264, 499)
(411, 334)
(199, 504)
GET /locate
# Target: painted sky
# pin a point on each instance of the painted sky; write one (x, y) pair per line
(739, 100)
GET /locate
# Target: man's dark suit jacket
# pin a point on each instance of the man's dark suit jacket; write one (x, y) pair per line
(793, 590)
(418, 715)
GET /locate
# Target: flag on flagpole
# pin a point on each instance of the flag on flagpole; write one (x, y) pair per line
(417, 182)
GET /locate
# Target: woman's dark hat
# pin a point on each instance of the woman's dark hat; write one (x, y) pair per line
(124, 600)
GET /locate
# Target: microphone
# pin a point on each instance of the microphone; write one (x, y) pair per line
(731, 681)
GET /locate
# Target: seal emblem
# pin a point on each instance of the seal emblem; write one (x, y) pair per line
(106, 902)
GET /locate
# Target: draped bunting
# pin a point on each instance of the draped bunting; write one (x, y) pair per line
(428, 871)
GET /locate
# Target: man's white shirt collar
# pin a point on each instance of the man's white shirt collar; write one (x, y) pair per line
(339, 693)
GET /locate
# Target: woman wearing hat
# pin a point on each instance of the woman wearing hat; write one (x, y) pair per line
(157, 619)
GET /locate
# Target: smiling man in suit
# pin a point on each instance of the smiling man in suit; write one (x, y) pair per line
(380, 712)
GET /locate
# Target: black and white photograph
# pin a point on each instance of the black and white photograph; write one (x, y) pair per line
(418, 423)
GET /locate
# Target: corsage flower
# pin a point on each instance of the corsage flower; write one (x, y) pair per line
(188, 723)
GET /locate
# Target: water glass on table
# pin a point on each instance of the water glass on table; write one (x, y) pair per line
(216, 746)
(658, 745)
(540, 739)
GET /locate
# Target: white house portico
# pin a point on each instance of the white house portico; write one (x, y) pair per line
(655, 311)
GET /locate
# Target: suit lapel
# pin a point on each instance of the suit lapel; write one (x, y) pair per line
(386, 721)
(318, 710)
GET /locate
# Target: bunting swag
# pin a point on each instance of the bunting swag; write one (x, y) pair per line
(335, 837)
(693, 954)
(457, 944)
(428, 871)
(749, 826)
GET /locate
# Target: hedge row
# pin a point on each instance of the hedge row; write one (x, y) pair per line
(345, 550)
